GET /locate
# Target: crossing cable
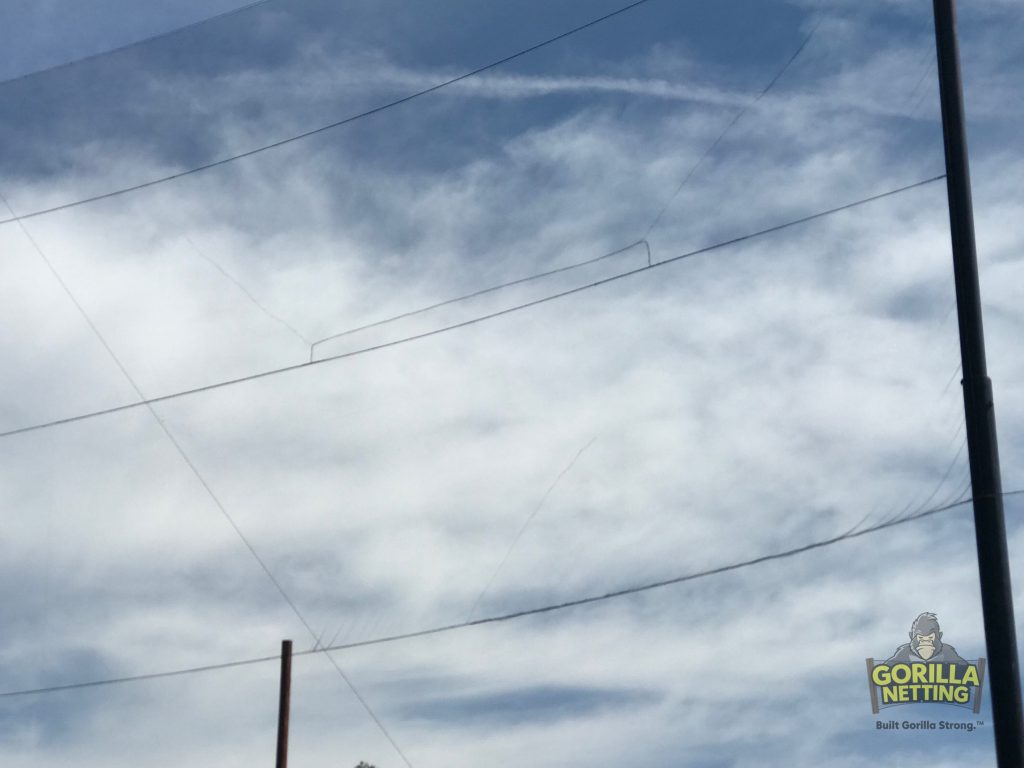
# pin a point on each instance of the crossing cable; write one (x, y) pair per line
(472, 321)
(526, 524)
(136, 43)
(330, 126)
(481, 292)
(735, 119)
(945, 476)
(248, 294)
(938, 486)
(501, 618)
(642, 241)
(204, 483)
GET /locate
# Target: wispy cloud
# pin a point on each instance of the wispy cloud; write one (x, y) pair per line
(755, 399)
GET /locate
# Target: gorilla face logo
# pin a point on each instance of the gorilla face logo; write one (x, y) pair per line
(924, 645)
(925, 636)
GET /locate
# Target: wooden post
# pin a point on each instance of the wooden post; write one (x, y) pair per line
(871, 687)
(979, 410)
(284, 704)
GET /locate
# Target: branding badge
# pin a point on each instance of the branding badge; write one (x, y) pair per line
(926, 671)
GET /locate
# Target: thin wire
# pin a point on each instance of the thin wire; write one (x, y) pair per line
(931, 53)
(312, 345)
(334, 637)
(926, 66)
(740, 565)
(642, 241)
(366, 706)
(149, 404)
(336, 124)
(858, 524)
(956, 432)
(199, 476)
(472, 321)
(526, 524)
(138, 678)
(481, 292)
(735, 119)
(928, 30)
(954, 495)
(903, 513)
(938, 486)
(945, 476)
(316, 642)
(917, 105)
(81, 310)
(735, 566)
(135, 44)
(951, 378)
(965, 489)
(245, 290)
(952, 306)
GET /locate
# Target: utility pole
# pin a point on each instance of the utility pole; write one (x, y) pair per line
(284, 704)
(979, 412)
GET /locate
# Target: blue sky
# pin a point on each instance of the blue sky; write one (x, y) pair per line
(742, 402)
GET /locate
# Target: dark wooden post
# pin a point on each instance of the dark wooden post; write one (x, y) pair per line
(285, 704)
(979, 410)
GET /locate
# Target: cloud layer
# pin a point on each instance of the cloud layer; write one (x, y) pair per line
(742, 402)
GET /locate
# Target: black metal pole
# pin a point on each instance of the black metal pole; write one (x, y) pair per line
(979, 412)
(285, 704)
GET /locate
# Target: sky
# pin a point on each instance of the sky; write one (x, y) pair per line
(714, 409)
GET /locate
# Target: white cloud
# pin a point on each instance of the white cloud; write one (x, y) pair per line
(746, 401)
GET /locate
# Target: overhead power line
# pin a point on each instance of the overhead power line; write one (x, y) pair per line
(471, 321)
(550, 608)
(180, 450)
(136, 43)
(642, 241)
(330, 126)
(481, 292)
